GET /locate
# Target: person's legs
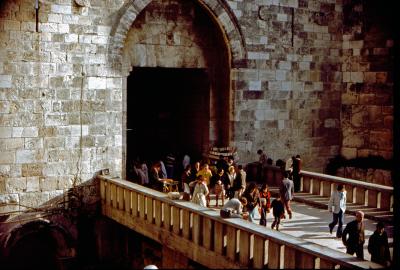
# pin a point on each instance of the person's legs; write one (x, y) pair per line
(360, 252)
(334, 222)
(339, 231)
(277, 223)
(263, 218)
(274, 222)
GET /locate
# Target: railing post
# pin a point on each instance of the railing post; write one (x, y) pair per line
(120, 197)
(176, 220)
(231, 242)
(157, 213)
(244, 248)
(290, 258)
(259, 252)
(274, 255)
(186, 224)
(196, 228)
(149, 204)
(102, 190)
(218, 237)
(141, 206)
(108, 194)
(114, 195)
(134, 204)
(207, 232)
(167, 216)
(127, 197)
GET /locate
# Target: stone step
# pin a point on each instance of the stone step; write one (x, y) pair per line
(322, 202)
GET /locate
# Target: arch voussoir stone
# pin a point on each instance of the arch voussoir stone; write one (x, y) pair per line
(218, 10)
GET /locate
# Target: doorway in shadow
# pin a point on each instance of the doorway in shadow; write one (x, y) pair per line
(168, 111)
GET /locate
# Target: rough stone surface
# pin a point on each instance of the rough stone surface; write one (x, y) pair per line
(317, 83)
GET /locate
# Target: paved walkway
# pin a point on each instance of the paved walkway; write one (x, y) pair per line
(311, 224)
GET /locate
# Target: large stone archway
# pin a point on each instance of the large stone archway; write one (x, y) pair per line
(218, 11)
(183, 35)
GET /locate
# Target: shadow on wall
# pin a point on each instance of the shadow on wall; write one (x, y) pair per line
(56, 235)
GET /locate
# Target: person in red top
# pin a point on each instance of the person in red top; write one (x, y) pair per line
(265, 202)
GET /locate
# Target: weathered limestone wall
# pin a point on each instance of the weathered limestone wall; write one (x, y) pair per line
(62, 99)
(60, 104)
(368, 64)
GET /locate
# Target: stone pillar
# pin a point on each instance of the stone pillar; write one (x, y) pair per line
(173, 259)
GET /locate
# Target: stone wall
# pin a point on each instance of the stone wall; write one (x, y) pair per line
(368, 64)
(62, 99)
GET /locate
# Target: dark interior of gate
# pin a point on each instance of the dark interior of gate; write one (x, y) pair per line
(167, 112)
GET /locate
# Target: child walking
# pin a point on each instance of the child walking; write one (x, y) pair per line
(200, 192)
(265, 202)
(278, 212)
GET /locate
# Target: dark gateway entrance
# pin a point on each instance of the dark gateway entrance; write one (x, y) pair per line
(167, 112)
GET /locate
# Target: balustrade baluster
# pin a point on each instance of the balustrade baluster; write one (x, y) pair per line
(231, 242)
(196, 228)
(108, 193)
(258, 252)
(176, 220)
(102, 190)
(141, 202)
(167, 216)
(185, 223)
(274, 255)
(134, 204)
(218, 237)
(244, 248)
(114, 195)
(120, 198)
(207, 232)
(150, 209)
(127, 197)
(289, 258)
(157, 213)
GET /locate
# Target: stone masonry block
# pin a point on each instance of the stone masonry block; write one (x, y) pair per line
(26, 132)
(32, 184)
(349, 153)
(25, 156)
(6, 132)
(5, 81)
(7, 157)
(33, 199)
(16, 185)
(32, 169)
(61, 9)
(9, 199)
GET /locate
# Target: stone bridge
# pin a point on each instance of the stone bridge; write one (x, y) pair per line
(190, 232)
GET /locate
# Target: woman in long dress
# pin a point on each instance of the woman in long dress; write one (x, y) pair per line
(200, 192)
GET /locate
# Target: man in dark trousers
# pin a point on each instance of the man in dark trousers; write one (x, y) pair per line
(296, 166)
(378, 245)
(355, 230)
(286, 191)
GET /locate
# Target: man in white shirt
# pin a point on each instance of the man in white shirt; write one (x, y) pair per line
(338, 201)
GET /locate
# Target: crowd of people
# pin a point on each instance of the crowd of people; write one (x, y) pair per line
(227, 180)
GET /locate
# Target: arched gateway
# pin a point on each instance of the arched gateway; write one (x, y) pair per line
(177, 56)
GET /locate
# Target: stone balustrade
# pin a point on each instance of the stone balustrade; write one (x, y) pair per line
(200, 234)
(359, 192)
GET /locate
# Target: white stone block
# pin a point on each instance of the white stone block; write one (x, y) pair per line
(71, 38)
(5, 81)
(281, 75)
(103, 30)
(97, 83)
(114, 83)
(6, 132)
(282, 17)
(32, 184)
(9, 199)
(62, 9)
(25, 156)
(255, 85)
(63, 28)
(285, 65)
(99, 39)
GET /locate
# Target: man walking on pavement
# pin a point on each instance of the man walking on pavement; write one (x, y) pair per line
(286, 191)
(355, 230)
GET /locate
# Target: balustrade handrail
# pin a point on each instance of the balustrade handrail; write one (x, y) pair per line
(337, 179)
(243, 225)
(353, 182)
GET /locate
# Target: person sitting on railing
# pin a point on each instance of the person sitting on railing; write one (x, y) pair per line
(234, 208)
